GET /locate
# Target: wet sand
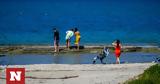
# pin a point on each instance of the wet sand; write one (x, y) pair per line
(79, 73)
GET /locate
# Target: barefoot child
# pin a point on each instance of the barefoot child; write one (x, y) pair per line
(69, 34)
(56, 40)
(77, 40)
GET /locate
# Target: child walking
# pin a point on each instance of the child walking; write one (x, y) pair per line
(117, 45)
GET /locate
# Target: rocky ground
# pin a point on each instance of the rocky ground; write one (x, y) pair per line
(33, 49)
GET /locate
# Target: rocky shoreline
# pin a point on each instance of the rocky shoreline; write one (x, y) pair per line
(37, 49)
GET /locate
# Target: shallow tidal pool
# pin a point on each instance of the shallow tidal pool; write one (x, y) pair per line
(24, 59)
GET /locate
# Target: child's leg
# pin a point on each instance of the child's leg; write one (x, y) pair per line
(117, 60)
(101, 59)
(55, 46)
(78, 44)
(67, 43)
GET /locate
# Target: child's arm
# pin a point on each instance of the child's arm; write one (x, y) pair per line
(106, 52)
(121, 46)
(114, 43)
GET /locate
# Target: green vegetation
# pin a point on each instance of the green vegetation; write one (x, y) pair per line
(153, 50)
(1, 69)
(150, 76)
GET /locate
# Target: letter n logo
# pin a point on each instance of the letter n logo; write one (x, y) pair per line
(15, 76)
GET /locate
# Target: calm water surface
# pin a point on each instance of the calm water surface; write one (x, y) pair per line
(135, 57)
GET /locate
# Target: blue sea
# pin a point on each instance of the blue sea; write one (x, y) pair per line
(99, 21)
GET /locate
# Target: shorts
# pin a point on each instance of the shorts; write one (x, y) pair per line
(56, 42)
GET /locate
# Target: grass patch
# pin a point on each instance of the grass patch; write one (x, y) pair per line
(150, 76)
(152, 50)
(1, 69)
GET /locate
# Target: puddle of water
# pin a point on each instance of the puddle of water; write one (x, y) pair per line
(134, 57)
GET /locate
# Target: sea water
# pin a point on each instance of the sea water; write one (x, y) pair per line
(99, 21)
(24, 59)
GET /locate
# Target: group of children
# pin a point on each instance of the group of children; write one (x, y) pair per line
(69, 34)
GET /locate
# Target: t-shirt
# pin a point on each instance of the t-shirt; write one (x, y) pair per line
(69, 34)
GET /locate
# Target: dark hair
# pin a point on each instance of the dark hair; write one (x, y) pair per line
(75, 29)
(72, 30)
(54, 29)
(118, 41)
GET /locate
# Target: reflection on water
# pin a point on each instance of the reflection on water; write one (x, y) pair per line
(135, 57)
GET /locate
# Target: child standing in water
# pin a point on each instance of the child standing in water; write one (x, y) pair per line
(77, 34)
(56, 40)
(117, 45)
(69, 34)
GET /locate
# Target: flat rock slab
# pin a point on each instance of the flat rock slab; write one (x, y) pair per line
(79, 73)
